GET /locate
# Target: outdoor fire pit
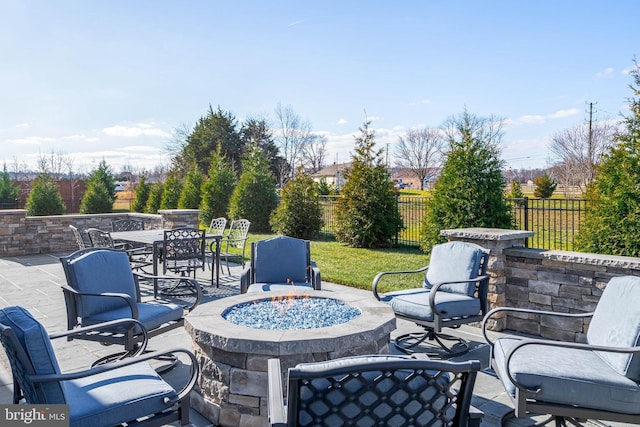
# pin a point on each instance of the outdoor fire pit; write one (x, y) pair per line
(233, 357)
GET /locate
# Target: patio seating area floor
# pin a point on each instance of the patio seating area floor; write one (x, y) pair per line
(32, 281)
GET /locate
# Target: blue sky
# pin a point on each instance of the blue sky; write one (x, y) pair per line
(113, 79)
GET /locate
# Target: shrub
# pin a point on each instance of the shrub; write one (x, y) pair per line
(367, 213)
(155, 198)
(545, 186)
(7, 190)
(612, 222)
(142, 195)
(96, 199)
(299, 213)
(171, 193)
(255, 197)
(217, 189)
(470, 189)
(44, 198)
(190, 196)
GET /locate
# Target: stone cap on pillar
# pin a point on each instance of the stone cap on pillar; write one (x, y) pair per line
(479, 233)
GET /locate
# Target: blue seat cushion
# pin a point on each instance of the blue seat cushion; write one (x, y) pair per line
(116, 396)
(35, 341)
(616, 323)
(414, 303)
(280, 259)
(266, 287)
(567, 376)
(152, 315)
(453, 262)
(99, 272)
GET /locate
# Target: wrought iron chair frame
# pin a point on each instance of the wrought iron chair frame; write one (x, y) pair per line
(235, 238)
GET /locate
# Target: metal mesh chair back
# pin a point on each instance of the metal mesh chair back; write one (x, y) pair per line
(78, 236)
(100, 239)
(390, 392)
(218, 226)
(127, 225)
(184, 250)
(238, 232)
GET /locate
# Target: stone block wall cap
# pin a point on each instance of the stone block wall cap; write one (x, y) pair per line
(14, 211)
(487, 233)
(178, 211)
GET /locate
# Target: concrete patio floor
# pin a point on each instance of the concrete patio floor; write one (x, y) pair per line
(33, 282)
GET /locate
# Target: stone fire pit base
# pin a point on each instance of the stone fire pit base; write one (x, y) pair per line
(232, 386)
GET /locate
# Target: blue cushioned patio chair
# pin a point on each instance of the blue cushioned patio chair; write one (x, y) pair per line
(453, 293)
(374, 390)
(571, 381)
(102, 287)
(280, 263)
(128, 391)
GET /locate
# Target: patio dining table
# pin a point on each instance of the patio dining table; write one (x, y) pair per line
(155, 239)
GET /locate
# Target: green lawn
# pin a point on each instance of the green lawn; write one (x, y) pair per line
(357, 267)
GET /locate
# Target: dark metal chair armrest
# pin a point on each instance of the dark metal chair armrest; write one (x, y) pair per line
(194, 283)
(376, 280)
(245, 279)
(126, 297)
(491, 313)
(437, 286)
(277, 409)
(108, 325)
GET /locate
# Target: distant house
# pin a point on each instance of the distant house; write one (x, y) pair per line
(406, 178)
(332, 175)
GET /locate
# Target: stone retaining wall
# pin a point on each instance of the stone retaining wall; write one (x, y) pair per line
(26, 235)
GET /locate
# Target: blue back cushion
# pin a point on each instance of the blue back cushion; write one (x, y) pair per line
(280, 258)
(35, 341)
(452, 262)
(616, 323)
(100, 272)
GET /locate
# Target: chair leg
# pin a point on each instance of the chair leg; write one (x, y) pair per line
(405, 343)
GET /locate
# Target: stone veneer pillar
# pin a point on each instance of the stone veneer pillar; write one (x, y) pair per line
(177, 218)
(496, 240)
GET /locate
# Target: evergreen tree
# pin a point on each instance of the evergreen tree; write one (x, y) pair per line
(299, 213)
(155, 198)
(612, 222)
(142, 195)
(7, 189)
(44, 197)
(516, 192)
(101, 191)
(96, 199)
(255, 197)
(217, 189)
(190, 196)
(470, 189)
(171, 192)
(545, 186)
(367, 212)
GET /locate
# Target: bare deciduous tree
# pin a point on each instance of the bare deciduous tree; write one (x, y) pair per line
(577, 151)
(295, 134)
(420, 150)
(315, 152)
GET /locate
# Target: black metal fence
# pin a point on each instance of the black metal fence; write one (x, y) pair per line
(553, 221)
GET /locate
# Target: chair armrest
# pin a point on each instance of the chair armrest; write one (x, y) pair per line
(132, 304)
(277, 410)
(108, 325)
(99, 369)
(192, 281)
(315, 278)
(437, 286)
(490, 314)
(374, 285)
(245, 279)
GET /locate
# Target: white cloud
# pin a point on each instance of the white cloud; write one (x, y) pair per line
(140, 129)
(30, 140)
(541, 118)
(342, 121)
(421, 102)
(604, 73)
(23, 125)
(81, 138)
